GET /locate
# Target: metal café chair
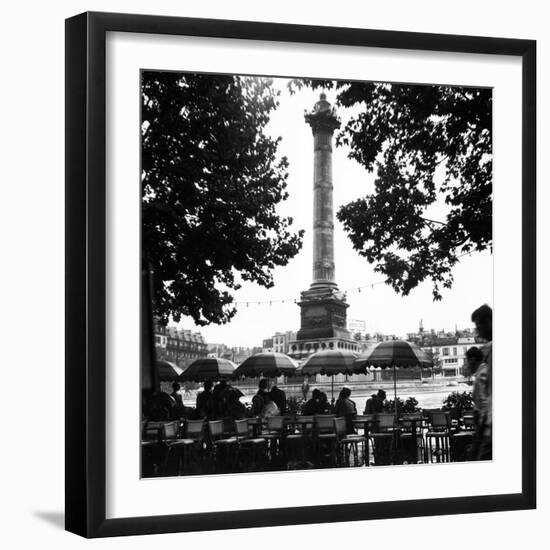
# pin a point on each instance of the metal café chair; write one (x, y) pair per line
(439, 432)
(176, 447)
(462, 438)
(426, 414)
(255, 447)
(152, 450)
(221, 447)
(152, 431)
(274, 433)
(366, 423)
(384, 438)
(297, 440)
(411, 437)
(348, 443)
(325, 438)
(195, 430)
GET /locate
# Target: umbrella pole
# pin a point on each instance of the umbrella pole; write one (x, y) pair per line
(395, 391)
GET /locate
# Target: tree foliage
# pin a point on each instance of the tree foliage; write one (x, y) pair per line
(211, 182)
(429, 146)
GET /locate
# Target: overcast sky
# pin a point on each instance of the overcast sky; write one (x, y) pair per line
(380, 307)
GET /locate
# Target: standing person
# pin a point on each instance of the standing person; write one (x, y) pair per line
(346, 407)
(279, 397)
(478, 369)
(305, 388)
(482, 317)
(204, 403)
(258, 400)
(375, 404)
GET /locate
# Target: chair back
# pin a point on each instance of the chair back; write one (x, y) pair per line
(340, 426)
(228, 426)
(152, 431)
(215, 428)
(324, 423)
(412, 416)
(426, 413)
(275, 423)
(194, 429)
(385, 421)
(408, 418)
(241, 428)
(170, 430)
(305, 423)
(440, 420)
(469, 422)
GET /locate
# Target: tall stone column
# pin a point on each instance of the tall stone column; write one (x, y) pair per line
(323, 122)
(323, 306)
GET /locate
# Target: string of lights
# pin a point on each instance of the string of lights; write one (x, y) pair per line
(358, 289)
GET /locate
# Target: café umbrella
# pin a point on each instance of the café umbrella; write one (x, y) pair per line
(268, 365)
(394, 354)
(167, 371)
(329, 363)
(209, 368)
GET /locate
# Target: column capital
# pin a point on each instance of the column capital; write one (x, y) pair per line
(323, 117)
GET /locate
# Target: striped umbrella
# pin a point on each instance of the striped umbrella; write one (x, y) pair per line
(167, 371)
(269, 365)
(206, 368)
(394, 354)
(329, 363)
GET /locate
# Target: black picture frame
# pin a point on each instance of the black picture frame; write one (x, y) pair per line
(86, 284)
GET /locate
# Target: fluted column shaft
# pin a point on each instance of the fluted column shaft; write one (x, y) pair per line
(323, 216)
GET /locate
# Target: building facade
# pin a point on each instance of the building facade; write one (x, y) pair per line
(447, 348)
(279, 342)
(179, 346)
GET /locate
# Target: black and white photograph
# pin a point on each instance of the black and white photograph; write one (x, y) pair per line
(260, 260)
(317, 274)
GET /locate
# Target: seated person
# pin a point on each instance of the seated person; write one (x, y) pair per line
(258, 401)
(218, 399)
(179, 409)
(375, 404)
(312, 405)
(234, 408)
(204, 404)
(323, 406)
(346, 407)
(279, 397)
(270, 407)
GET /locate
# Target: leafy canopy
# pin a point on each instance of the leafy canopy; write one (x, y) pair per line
(431, 146)
(211, 181)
